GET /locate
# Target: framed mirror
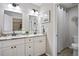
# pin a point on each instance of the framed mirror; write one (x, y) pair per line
(33, 22)
(12, 21)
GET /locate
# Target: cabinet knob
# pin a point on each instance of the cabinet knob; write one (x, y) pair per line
(11, 47)
(40, 40)
(14, 46)
(29, 46)
(29, 39)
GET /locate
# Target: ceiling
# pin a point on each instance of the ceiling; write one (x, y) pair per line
(38, 4)
(65, 5)
(68, 5)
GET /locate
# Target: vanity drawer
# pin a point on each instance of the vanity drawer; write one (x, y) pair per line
(29, 40)
(12, 42)
(18, 41)
(40, 39)
(7, 43)
(43, 38)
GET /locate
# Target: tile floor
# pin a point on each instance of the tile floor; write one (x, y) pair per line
(66, 52)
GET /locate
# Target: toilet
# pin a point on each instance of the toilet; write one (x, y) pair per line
(74, 46)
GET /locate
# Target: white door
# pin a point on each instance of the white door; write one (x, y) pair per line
(59, 29)
(20, 51)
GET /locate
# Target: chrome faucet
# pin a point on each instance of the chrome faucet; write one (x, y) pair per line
(13, 34)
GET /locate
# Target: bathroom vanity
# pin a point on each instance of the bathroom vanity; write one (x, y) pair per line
(23, 45)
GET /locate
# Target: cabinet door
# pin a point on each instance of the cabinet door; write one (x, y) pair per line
(39, 45)
(30, 50)
(0, 52)
(20, 50)
(36, 46)
(26, 49)
(42, 47)
(42, 43)
(7, 51)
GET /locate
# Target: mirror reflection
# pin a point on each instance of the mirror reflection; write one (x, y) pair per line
(33, 22)
(12, 21)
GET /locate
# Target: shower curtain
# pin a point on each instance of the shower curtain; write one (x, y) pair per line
(62, 28)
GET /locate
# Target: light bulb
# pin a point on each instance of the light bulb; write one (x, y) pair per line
(36, 12)
(45, 15)
(31, 12)
(10, 6)
(17, 7)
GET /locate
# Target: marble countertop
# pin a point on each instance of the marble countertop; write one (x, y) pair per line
(18, 36)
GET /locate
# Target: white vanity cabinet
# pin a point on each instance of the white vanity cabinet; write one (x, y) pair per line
(25, 46)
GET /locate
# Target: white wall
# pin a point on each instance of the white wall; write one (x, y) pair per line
(24, 9)
(73, 29)
(78, 29)
(51, 32)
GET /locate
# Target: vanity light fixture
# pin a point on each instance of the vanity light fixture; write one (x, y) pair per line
(35, 12)
(13, 5)
(10, 6)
